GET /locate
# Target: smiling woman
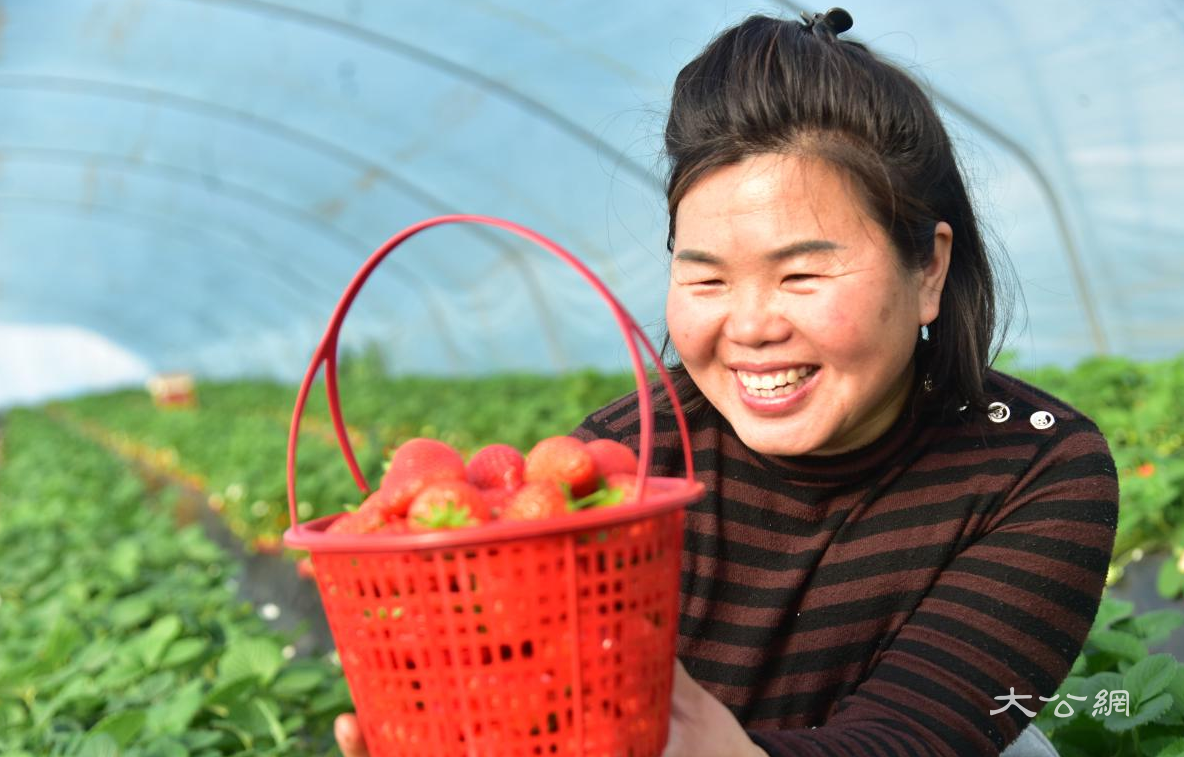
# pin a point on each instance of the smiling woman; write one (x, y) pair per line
(894, 537)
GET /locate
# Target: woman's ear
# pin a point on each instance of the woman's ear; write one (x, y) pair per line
(933, 275)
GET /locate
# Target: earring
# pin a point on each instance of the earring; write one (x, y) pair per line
(925, 332)
(927, 384)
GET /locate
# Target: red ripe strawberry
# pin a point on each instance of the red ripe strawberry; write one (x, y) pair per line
(396, 526)
(447, 504)
(358, 522)
(626, 483)
(415, 464)
(381, 501)
(536, 500)
(305, 569)
(497, 500)
(611, 457)
(498, 466)
(564, 460)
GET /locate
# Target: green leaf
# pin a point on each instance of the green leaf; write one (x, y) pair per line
(1156, 626)
(151, 645)
(124, 726)
(1149, 676)
(1168, 746)
(62, 642)
(1118, 643)
(230, 694)
(155, 687)
(1174, 750)
(173, 716)
(166, 746)
(1170, 581)
(332, 702)
(120, 674)
(296, 681)
(129, 613)
(252, 720)
(96, 655)
(182, 651)
(1110, 611)
(77, 692)
(1072, 684)
(124, 559)
(255, 658)
(1148, 712)
(1176, 688)
(198, 738)
(270, 714)
(99, 745)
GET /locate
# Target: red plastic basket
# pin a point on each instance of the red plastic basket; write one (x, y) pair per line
(515, 638)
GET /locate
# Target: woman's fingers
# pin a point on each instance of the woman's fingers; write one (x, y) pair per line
(349, 736)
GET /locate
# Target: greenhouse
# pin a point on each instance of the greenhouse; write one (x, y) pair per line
(321, 323)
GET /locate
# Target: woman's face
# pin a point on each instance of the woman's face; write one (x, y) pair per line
(789, 308)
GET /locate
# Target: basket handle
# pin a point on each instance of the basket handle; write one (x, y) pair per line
(326, 353)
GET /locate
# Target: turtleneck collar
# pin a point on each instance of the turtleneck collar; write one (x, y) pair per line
(844, 468)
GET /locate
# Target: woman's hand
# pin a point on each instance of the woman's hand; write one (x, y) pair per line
(701, 726)
(349, 736)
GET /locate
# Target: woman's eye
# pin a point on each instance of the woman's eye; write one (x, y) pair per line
(799, 277)
(707, 282)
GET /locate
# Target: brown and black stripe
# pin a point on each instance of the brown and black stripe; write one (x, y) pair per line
(877, 602)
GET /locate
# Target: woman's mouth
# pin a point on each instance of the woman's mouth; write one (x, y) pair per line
(775, 390)
(779, 384)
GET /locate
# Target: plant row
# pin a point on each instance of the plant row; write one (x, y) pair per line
(122, 634)
(1119, 699)
(235, 439)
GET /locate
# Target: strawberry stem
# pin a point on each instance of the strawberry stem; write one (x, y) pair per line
(447, 515)
(599, 498)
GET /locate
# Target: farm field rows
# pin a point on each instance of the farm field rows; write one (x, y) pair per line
(123, 633)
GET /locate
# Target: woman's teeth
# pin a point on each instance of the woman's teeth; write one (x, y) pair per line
(775, 384)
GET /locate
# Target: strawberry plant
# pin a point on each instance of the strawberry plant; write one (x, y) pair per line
(1118, 699)
(122, 635)
(1137, 407)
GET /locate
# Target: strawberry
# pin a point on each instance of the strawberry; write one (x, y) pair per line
(358, 522)
(415, 464)
(626, 483)
(497, 500)
(535, 501)
(563, 460)
(396, 526)
(305, 568)
(447, 504)
(497, 466)
(381, 501)
(611, 457)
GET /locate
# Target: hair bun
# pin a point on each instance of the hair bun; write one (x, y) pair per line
(835, 21)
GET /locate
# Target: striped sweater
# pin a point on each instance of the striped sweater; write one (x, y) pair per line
(878, 601)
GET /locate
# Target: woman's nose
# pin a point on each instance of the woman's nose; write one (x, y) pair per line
(753, 321)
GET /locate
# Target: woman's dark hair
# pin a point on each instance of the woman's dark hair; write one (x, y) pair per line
(774, 86)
